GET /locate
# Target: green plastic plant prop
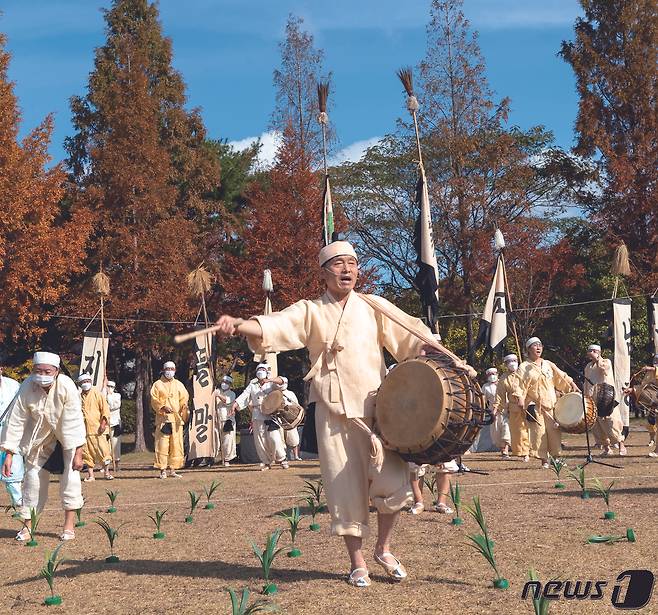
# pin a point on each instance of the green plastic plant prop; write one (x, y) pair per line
(557, 465)
(579, 477)
(241, 606)
(456, 499)
(604, 492)
(597, 538)
(540, 604)
(313, 489)
(483, 544)
(159, 535)
(430, 483)
(314, 509)
(14, 514)
(35, 517)
(194, 501)
(266, 558)
(112, 534)
(48, 573)
(209, 492)
(293, 518)
(113, 496)
(78, 515)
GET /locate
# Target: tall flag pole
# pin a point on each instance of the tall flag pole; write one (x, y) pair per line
(621, 324)
(327, 204)
(268, 357)
(427, 278)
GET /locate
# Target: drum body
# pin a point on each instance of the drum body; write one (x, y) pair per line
(428, 411)
(290, 416)
(569, 413)
(272, 402)
(604, 399)
(647, 396)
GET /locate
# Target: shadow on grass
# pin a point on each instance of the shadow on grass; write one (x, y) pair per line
(186, 568)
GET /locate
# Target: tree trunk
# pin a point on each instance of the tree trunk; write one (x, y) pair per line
(148, 424)
(140, 442)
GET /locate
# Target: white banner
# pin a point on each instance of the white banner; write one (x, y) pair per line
(493, 324)
(202, 426)
(653, 323)
(621, 309)
(94, 357)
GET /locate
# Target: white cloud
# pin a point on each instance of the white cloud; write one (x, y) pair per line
(353, 152)
(269, 145)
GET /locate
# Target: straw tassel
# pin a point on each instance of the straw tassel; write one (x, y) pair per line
(620, 263)
(199, 281)
(101, 284)
(268, 287)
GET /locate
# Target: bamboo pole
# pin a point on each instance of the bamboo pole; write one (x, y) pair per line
(509, 304)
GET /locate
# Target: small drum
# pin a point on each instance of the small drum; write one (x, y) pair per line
(429, 411)
(569, 413)
(290, 415)
(647, 396)
(272, 402)
(604, 398)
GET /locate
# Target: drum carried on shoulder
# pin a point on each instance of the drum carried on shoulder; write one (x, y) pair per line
(290, 415)
(569, 413)
(429, 411)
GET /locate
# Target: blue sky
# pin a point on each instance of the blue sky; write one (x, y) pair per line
(227, 50)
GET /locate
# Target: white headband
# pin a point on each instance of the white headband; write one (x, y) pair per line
(531, 341)
(263, 366)
(169, 365)
(111, 384)
(510, 357)
(594, 347)
(46, 358)
(334, 249)
(491, 370)
(83, 377)
(227, 379)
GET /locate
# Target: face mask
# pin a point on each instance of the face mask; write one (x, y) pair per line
(225, 386)
(169, 374)
(492, 378)
(512, 366)
(85, 386)
(44, 380)
(261, 374)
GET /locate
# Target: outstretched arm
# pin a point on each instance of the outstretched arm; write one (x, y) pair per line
(238, 326)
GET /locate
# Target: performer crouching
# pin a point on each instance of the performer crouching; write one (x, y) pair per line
(345, 337)
(47, 411)
(267, 433)
(540, 379)
(224, 398)
(509, 397)
(13, 483)
(608, 429)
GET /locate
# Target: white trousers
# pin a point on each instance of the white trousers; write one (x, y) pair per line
(500, 432)
(35, 486)
(291, 437)
(228, 451)
(269, 444)
(115, 442)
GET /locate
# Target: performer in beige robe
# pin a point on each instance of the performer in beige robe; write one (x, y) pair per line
(169, 399)
(96, 412)
(291, 436)
(47, 411)
(509, 397)
(500, 431)
(608, 429)
(540, 379)
(345, 338)
(224, 398)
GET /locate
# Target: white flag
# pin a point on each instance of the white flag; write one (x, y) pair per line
(202, 427)
(621, 310)
(94, 357)
(493, 325)
(653, 323)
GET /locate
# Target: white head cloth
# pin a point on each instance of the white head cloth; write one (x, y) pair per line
(84, 377)
(263, 366)
(46, 358)
(531, 341)
(169, 365)
(594, 347)
(510, 357)
(334, 249)
(227, 378)
(491, 370)
(112, 384)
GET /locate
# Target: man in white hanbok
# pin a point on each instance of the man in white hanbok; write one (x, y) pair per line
(500, 433)
(224, 398)
(8, 391)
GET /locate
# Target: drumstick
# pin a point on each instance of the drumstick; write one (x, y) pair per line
(183, 337)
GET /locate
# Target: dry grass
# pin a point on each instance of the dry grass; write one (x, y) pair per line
(532, 524)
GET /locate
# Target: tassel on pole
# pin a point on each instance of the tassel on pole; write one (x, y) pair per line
(620, 263)
(199, 281)
(406, 76)
(268, 287)
(101, 284)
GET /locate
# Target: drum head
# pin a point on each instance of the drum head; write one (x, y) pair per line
(569, 409)
(605, 399)
(272, 402)
(410, 409)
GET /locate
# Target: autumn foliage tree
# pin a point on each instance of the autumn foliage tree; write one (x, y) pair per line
(140, 164)
(40, 244)
(614, 57)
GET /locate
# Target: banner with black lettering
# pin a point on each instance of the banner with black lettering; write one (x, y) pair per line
(653, 323)
(94, 357)
(202, 426)
(493, 324)
(621, 312)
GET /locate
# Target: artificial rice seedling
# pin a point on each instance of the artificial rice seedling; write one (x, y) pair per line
(456, 499)
(78, 515)
(48, 573)
(579, 477)
(314, 509)
(540, 604)
(159, 535)
(597, 538)
(241, 606)
(113, 496)
(112, 534)
(266, 558)
(209, 492)
(194, 501)
(312, 495)
(604, 492)
(293, 518)
(557, 465)
(430, 483)
(35, 517)
(483, 544)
